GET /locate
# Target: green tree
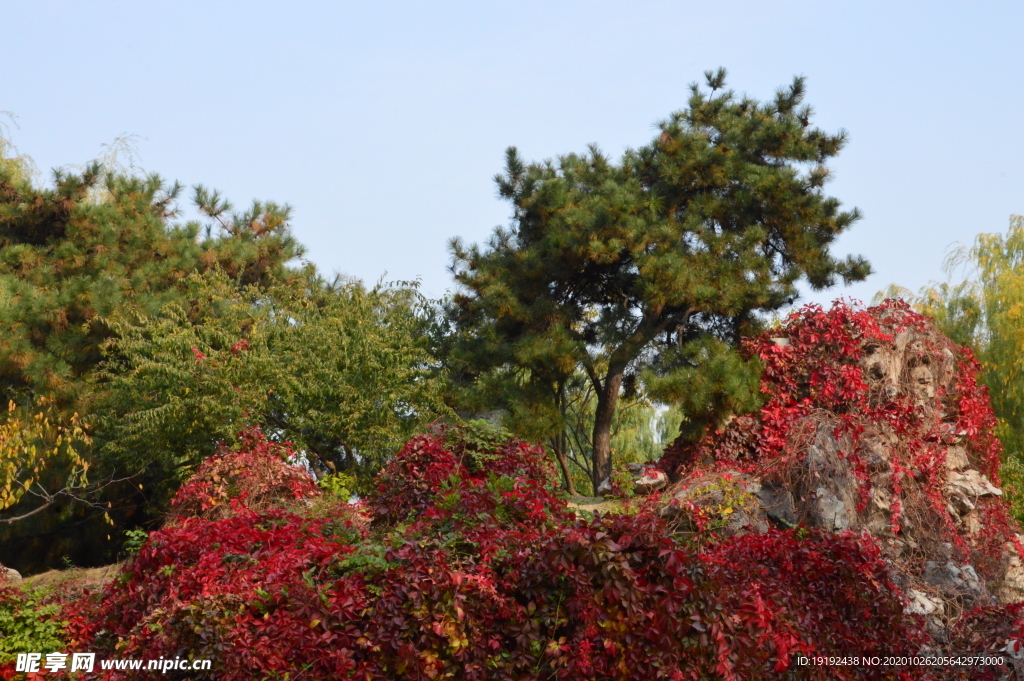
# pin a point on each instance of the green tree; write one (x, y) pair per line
(652, 268)
(79, 254)
(76, 256)
(341, 371)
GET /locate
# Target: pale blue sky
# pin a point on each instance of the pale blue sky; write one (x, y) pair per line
(383, 123)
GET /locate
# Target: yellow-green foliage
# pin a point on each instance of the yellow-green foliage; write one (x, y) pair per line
(339, 370)
(33, 444)
(338, 484)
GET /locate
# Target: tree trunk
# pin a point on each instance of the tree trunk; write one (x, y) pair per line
(560, 441)
(558, 444)
(607, 399)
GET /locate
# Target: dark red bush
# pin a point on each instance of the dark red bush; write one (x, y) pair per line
(416, 475)
(262, 594)
(493, 579)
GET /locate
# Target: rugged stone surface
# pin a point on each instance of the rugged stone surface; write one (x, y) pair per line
(652, 481)
(777, 502)
(952, 576)
(726, 501)
(921, 604)
(971, 483)
(956, 458)
(1011, 589)
(920, 478)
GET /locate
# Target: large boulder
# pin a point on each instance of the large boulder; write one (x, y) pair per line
(874, 423)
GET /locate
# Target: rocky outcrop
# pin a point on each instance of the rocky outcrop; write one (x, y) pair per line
(881, 429)
(651, 479)
(728, 502)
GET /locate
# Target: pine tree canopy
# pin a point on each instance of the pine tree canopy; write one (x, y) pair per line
(657, 264)
(97, 244)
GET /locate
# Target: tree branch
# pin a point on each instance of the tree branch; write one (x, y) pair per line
(7, 521)
(73, 493)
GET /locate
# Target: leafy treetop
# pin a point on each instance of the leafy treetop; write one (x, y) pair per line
(77, 255)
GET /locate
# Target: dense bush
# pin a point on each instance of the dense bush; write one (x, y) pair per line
(30, 622)
(258, 474)
(249, 591)
(188, 376)
(475, 569)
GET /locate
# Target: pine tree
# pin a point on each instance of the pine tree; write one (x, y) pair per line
(95, 246)
(652, 268)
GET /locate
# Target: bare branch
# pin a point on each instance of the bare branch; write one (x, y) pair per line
(73, 493)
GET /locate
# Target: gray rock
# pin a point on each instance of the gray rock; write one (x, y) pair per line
(652, 481)
(960, 578)
(829, 512)
(741, 522)
(971, 483)
(881, 499)
(920, 604)
(742, 514)
(1011, 586)
(960, 504)
(828, 496)
(971, 578)
(777, 503)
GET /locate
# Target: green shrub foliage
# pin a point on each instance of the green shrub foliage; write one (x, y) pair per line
(340, 371)
(30, 622)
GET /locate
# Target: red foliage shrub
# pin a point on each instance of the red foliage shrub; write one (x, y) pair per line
(817, 594)
(413, 478)
(409, 482)
(260, 593)
(994, 630)
(494, 579)
(257, 475)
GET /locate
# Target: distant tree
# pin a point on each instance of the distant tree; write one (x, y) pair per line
(639, 433)
(654, 267)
